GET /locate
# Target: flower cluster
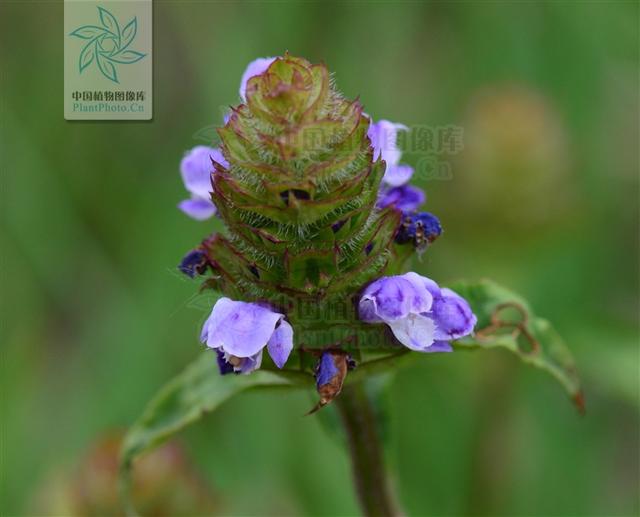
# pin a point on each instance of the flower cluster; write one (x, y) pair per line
(395, 189)
(418, 228)
(307, 224)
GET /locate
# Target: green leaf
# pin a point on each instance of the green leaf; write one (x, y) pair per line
(186, 399)
(505, 320)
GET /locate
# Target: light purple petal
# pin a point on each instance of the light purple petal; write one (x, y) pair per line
(217, 156)
(440, 346)
(383, 135)
(429, 284)
(239, 328)
(406, 198)
(196, 169)
(424, 297)
(256, 67)
(199, 209)
(281, 343)
(392, 298)
(396, 175)
(221, 310)
(416, 332)
(367, 310)
(452, 315)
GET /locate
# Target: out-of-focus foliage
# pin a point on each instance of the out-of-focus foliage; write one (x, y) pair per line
(505, 321)
(542, 197)
(166, 484)
(186, 399)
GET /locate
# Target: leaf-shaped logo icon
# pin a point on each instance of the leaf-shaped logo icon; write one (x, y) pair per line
(127, 57)
(107, 45)
(107, 67)
(87, 32)
(129, 33)
(87, 55)
(109, 22)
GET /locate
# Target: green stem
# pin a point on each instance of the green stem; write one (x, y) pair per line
(367, 459)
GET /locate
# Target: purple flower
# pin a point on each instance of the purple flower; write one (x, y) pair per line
(383, 135)
(421, 316)
(240, 331)
(196, 170)
(397, 175)
(256, 67)
(406, 198)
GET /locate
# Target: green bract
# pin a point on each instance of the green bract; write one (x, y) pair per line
(299, 195)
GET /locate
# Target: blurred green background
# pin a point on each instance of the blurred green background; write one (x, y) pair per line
(543, 198)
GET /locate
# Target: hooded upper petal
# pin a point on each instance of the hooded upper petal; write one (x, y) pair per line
(196, 169)
(383, 135)
(392, 298)
(452, 315)
(241, 329)
(256, 67)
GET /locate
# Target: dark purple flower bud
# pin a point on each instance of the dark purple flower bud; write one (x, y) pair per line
(194, 263)
(422, 229)
(330, 373)
(326, 371)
